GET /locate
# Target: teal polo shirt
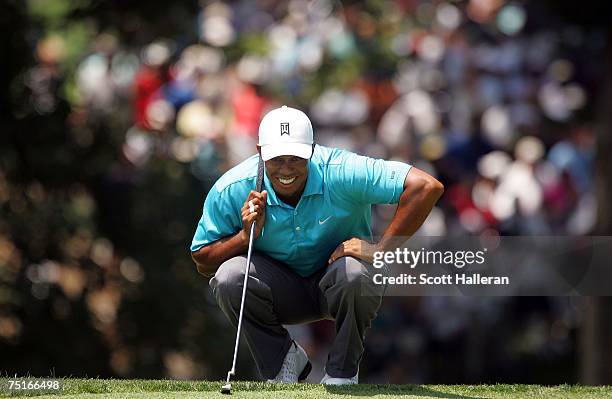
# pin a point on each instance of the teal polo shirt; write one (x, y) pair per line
(335, 206)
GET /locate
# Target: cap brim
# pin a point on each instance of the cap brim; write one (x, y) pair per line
(279, 149)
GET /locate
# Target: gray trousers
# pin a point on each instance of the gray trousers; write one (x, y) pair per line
(342, 291)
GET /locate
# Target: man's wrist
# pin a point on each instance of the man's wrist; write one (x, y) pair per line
(379, 246)
(244, 240)
(389, 244)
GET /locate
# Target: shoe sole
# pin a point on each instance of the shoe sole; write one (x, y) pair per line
(307, 369)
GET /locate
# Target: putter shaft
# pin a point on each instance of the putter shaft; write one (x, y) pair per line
(244, 287)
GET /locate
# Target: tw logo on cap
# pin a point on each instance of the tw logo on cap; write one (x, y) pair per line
(284, 128)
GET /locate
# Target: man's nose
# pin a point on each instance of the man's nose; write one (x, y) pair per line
(286, 169)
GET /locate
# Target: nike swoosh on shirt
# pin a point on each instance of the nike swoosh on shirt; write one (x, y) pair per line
(324, 220)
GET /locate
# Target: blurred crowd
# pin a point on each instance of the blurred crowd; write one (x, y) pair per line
(469, 92)
(494, 98)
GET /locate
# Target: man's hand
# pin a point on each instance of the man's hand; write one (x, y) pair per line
(209, 257)
(356, 248)
(254, 208)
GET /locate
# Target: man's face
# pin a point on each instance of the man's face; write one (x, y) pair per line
(288, 174)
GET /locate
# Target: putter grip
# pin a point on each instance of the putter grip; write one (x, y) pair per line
(260, 174)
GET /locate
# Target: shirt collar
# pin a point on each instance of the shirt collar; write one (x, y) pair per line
(272, 198)
(314, 184)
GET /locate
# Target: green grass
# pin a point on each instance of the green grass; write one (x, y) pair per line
(111, 389)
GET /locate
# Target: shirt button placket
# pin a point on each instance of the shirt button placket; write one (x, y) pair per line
(296, 232)
(297, 227)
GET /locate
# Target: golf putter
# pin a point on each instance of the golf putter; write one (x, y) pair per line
(227, 388)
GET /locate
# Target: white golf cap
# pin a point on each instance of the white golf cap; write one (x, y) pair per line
(285, 131)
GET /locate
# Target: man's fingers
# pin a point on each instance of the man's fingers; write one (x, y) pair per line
(252, 206)
(247, 211)
(338, 253)
(255, 201)
(350, 247)
(248, 218)
(254, 209)
(261, 196)
(331, 257)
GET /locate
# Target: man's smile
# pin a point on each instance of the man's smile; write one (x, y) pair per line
(287, 181)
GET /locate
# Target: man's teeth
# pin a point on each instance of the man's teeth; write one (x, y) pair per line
(286, 181)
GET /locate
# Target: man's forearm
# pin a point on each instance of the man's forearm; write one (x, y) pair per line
(416, 202)
(209, 258)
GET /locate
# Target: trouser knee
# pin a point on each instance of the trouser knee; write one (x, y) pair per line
(228, 281)
(351, 276)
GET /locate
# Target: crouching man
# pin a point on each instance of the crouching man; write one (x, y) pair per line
(313, 244)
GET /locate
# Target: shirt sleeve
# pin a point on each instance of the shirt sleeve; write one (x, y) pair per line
(372, 181)
(219, 219)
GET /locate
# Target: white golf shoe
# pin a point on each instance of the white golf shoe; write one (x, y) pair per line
(295, 368)
(328, 380)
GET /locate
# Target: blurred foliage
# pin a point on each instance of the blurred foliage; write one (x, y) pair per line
(255, 43)
(95, 273)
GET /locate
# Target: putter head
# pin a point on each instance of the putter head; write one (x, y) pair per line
(226, 389)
